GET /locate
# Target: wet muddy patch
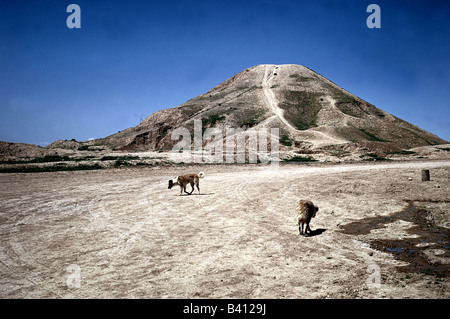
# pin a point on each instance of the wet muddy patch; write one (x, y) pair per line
(426, 249)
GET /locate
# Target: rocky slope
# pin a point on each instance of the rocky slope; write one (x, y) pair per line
(311, 112)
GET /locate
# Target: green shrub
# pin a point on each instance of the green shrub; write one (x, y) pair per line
(285, 140)
(212, 119)
(403, 152)
(53, 168)
(50, 158)
(301, 159)
(373, 157)
(121, 162)
(372, 137)
(123, 158)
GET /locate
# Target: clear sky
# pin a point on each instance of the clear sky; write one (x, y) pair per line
(131, 58)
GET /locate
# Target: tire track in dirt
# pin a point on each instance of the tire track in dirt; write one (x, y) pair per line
(282, 221)
(18, 255)
(132, 237)
(221, 241)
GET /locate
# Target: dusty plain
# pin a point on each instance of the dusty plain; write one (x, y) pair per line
(121, 233)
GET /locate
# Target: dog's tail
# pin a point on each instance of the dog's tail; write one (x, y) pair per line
(201, 175)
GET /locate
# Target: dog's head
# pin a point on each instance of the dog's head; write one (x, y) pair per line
(173, 182)
(316, 209)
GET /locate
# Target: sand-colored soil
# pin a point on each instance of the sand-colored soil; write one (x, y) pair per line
(120, 233)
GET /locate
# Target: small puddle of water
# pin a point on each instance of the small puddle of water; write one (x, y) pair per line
(428, 236)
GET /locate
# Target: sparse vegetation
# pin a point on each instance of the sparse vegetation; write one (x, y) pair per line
(121, 162)
(50, 158)
(340, 153)
(119, 158)
(372, 137)
(300, 159)
(212, 120)
(402, 152)
(143, 164)
(302, 108)
(83, 148)
(191, 109)
(88, 148)
(373, 157)
(52, 168)
(45, 159)
(65, 163)
(349, 105)
(379, 113)
(248, 117)
(285, 140)
(217, 95)
(300, 78)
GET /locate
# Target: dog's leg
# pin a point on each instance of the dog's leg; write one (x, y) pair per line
(308, 229)
(181, 189)
(198, 187)
(192, 185)
(300, 228)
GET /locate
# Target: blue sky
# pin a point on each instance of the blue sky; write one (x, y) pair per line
(133, 58)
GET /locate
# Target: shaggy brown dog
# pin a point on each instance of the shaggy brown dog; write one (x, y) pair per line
(305, 210)
(184, 180)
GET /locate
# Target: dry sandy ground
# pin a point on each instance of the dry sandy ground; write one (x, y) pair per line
(120, 233)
